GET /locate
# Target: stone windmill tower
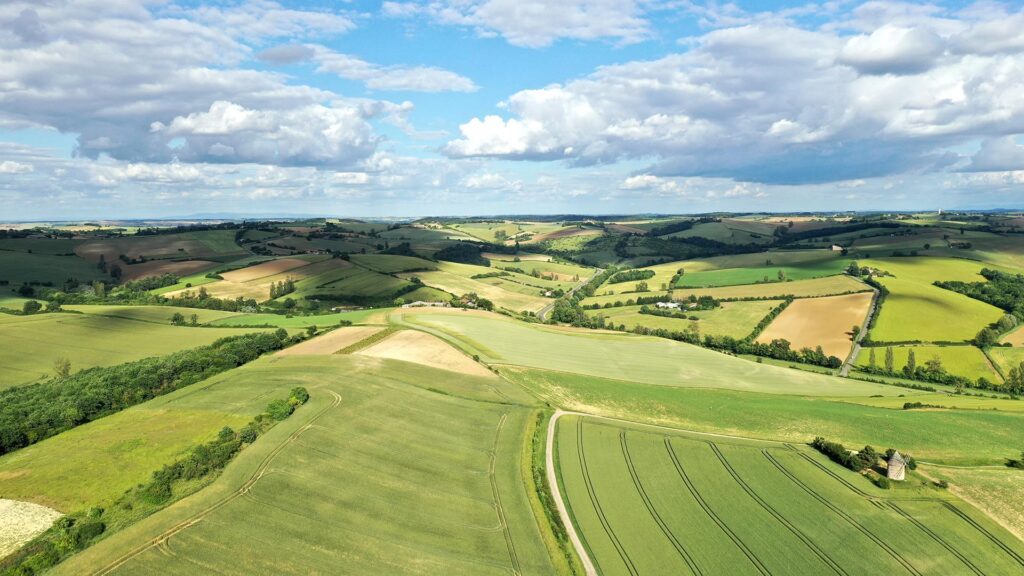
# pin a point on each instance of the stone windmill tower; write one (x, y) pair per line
(897, 467)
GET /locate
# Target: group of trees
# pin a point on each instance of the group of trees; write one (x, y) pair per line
(178, 319)
(278, 289)
(1002, 290)
(856, 461)
(631, 276)
(35, 412)
(151, 283)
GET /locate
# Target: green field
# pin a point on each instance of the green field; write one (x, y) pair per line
(915, 310)
(216, 245)
(284, 321)
(22, 267)
(625, 356)
(736, 319)
(1007, 358)
(29, 345)
(801, 289)
(517, 292)
(388, 263)
(966, 361)
(340, 283)
(659, 502)
(983, 436)
(157, 314)
(361, 480)
(761, 274)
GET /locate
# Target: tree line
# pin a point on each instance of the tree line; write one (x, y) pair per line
(79, 530)
(34, 412)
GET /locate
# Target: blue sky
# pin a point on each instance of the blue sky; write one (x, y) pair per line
(135, 108)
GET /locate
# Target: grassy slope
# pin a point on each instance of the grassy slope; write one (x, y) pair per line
(20, 267)
(284, 321)
(642, 359)
(157, 314)
(654, 503)
(915, 310)
(966, 361)
(736, 319)
(361, 480)
(1007, 358)
(982, 436)
(752, 275)
(29, 345)
(801, 288)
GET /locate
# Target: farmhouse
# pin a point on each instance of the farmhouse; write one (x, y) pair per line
(668, 305)
(897, 467)
(837, 248)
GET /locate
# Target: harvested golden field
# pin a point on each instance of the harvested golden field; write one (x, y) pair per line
(22, 521)
(263, 270)
(331, 342)
(423, 348)
(258, 288)
(1016, 337)
(825, 322)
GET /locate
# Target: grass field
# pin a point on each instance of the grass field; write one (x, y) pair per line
(22, 267)
(766, 274)
(389, 263)
(157, 314)
(29, 345)
(995, 490)
(801, 288)
(966, 361)
(826, 322)
(736, 319)
(361, 480)
(637, 358)
(515, 293)
(542, 264)
(1007, 358)
(339, 283)
(283, 321)
(255, 281)
(651, 502)
(983, 436)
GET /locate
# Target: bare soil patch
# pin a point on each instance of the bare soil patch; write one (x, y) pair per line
(331, 342)
(423, 348)
(22, 521)
(828, 321)
(263, 270)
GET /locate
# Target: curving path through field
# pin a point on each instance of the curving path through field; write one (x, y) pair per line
(549, 465)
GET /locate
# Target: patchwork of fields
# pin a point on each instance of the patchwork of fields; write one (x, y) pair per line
(422, 447)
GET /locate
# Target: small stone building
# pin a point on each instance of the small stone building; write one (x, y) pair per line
(897, 467)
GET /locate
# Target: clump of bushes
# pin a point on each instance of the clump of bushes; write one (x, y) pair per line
(856, 461)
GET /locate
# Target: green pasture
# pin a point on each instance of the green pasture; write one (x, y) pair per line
(995, 490)
(915, 310)
(726, 232)
(52, 246)
(23, 267)
(964, 437)
(29, 345)
(508, 293)
(656, 502)
(736, 319)
(284, 321)
(625, 356)
(342, 282)
(216, 245)
(1007, 358)
(761, 274)
(389, 263)
(966, 361)
(530, 265)
(157, 314)
(360, 480)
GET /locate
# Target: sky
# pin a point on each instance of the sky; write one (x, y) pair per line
(159, 108)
